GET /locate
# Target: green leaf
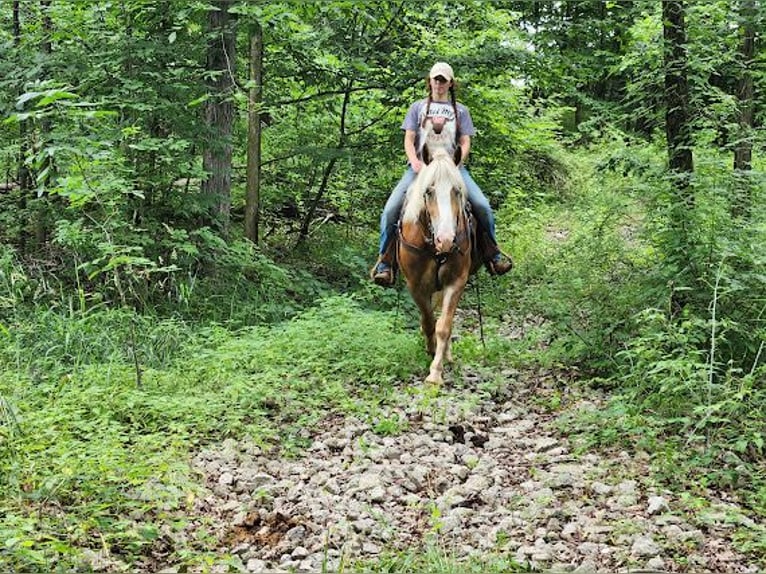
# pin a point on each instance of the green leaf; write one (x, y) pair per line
(52, 96)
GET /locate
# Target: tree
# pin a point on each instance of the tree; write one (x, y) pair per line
(23, 176)
(743, 148)
(219, 113)
(253, 200)
(677, 125)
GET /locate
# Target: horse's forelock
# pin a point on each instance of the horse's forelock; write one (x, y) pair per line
(441, 168)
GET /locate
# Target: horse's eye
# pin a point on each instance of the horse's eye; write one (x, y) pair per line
(429, 192)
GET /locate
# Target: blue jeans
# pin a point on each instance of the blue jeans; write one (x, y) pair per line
(390, 216)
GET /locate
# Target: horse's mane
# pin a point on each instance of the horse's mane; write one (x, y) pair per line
(442, 168)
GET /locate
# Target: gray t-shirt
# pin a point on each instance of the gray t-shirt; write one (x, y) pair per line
(417, 112)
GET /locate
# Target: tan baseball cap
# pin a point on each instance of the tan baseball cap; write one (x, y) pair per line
(442, 69)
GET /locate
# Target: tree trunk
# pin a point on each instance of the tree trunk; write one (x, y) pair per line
(744, 147)
(219, 114)
(42, 214)
(680, 161)
(677, 127)
(253, 200)
(23, 177)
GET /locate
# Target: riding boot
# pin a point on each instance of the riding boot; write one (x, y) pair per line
(383, 272)
(496, 262)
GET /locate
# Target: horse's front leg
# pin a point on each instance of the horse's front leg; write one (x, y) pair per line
(443, 333)
(427, 319)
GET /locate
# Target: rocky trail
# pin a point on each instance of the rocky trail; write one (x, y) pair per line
(472, 473)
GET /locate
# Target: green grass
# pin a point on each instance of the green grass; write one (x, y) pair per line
(435, 559)
(91, 460)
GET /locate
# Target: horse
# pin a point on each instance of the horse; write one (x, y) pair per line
(435, 249)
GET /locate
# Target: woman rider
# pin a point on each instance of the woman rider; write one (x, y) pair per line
(440, 107)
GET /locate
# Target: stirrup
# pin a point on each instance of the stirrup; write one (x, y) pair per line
(383, 277)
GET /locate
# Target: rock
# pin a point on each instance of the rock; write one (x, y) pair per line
(378, 494)
(569, 531)
(475, 485)
(657, 504)
(355, 495)
(545, 444)
(586, 567)
(627, 487)
(588, 549)
(600, 488)
(296, 534)
(256, 566)
(370, 548)
(644, 546)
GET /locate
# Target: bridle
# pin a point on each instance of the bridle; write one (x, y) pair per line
(425, 224)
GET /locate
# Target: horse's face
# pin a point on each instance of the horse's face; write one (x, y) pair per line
(443, 200)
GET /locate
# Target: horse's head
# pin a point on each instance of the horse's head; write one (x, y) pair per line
(438, 195)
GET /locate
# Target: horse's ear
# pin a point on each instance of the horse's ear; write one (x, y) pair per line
(426, 155)
(458, 155)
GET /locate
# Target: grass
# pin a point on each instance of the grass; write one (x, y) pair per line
(435, 559)
(90, 460)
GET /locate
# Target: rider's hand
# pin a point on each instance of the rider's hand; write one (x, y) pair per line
(417, 165)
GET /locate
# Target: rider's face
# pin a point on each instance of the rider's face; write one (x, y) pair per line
(440, 86)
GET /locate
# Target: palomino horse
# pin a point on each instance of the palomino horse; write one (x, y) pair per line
(435, 251)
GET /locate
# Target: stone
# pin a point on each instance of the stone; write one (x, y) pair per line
(644, 546)
(656, 505)
(256, 566)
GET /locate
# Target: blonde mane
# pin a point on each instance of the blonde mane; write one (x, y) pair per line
(442, 170)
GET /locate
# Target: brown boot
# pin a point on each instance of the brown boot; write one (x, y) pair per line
(383, 272)
(500, 264)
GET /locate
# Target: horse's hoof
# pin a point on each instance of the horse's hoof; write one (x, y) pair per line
(435, 379)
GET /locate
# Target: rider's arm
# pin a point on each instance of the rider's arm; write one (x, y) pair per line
(465, 147)
(409, 149)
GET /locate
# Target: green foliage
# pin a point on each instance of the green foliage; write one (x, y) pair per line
(83, 435)
(435, 559)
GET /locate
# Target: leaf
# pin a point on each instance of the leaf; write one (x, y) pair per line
(198, 101)
(52, 96)
(24, 98)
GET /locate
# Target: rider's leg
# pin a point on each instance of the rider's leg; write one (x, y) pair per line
(382, 273)
(496, 261)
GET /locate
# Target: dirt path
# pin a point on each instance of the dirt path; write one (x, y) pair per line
(475, 473)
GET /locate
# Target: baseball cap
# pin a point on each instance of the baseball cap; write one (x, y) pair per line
(441, 69)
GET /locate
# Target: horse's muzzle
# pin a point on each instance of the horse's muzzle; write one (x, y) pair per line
(444, 245)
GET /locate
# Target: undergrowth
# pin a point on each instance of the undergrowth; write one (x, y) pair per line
(93, 457)
(678, 339)
(435, 559)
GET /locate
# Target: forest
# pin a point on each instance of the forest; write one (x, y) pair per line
(198, 375)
